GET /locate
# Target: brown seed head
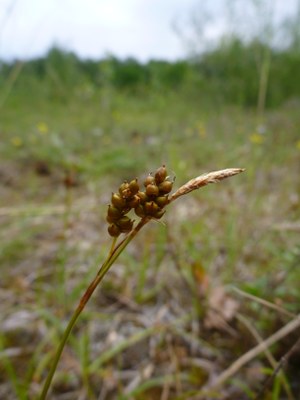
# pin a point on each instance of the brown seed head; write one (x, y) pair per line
(150, 203)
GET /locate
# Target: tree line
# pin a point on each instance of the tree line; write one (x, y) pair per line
(229, 72)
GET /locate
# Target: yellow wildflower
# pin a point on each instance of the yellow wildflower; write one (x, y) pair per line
(298, 144)
(256, 138)
(201, 130)
(43, 128)
(16, 141)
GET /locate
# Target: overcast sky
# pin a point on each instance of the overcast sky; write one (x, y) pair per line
(92, 28)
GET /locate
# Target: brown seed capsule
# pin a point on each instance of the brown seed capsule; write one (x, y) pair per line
(161, 201)
(134, 186)
(150, 208)
(113, 213)
(160, 174)
(110, 220)
(125, 224)
(159, 214)
(165, 187)
(139, 210)
(124, 185)
(152, 190)
(124, 188)
(118, 201)
(113, 230)
(126, 194)
(143, 197)
(149, 180)
(134, 202)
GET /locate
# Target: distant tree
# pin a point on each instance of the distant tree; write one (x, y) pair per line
(165, 74)
(128, 73)
(63, 66)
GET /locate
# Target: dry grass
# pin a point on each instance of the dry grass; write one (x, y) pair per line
(205, 179)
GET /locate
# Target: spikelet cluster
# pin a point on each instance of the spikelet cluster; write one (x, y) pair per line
(147, 203)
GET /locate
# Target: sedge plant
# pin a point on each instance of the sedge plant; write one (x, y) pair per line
(148, 204)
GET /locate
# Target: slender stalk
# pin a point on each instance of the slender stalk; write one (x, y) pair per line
(121, 246)
(58, 353)
(113, 255)
(113, 245)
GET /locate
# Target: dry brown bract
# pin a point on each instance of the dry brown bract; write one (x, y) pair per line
(205, 179)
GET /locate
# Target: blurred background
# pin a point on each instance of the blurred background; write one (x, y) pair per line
(93, 93)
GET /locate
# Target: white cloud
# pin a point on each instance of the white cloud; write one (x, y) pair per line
(140, 28)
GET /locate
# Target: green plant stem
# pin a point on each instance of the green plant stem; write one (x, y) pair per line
(113, 255)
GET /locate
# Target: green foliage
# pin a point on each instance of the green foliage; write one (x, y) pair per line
(229, 73)
(128, 73)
